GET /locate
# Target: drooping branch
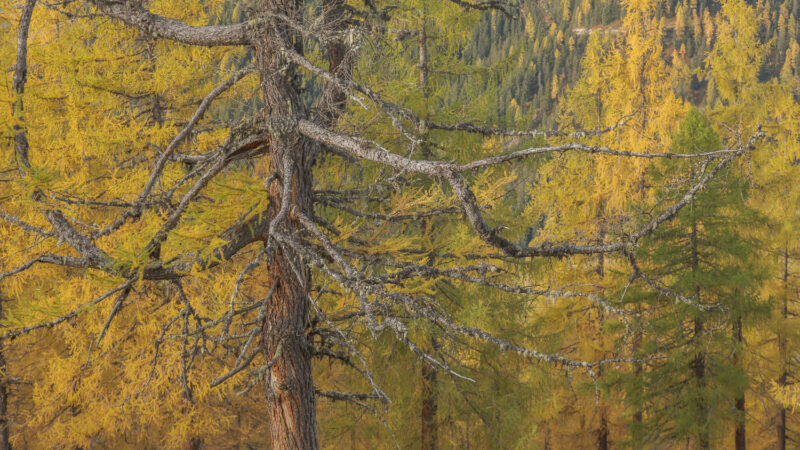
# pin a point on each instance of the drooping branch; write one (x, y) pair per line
(462, 274)
(491, 236)
(658, 287)
(114, 310)
(673, 210)
(372, 151)
(387, 217)
(355, 282)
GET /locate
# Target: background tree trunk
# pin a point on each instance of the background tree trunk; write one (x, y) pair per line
(782, 347)
(699, 363)
(602, 432)
(428, 407)
(739, 434)
(5, 444)
(428, 429)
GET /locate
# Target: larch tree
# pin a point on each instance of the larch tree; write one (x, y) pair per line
(221, 205)
(623, 75)
(746, 100)
(697, 391)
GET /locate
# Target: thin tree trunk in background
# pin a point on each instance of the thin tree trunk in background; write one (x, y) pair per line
(782, 347)
(23, 163)
(428, 426)
(699, 365)
(699, 369)
(194, 444)
(602, 433)
(637, 337)
(602, 439)
(739, 434)
(782, 423)
(422, 65)
(18, 86)
(5, 444)
(423, 57)
(428, 429)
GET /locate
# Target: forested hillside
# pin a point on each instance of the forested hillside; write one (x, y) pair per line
(538, 51)
(408, 223)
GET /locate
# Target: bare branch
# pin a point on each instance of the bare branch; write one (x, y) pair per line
(26, 226)
(373, 151)
(71, 315)
(114, 310)
(134, 15)
(490, 236)
(494, 160)
(186, 131)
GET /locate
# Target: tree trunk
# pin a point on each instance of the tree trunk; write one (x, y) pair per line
(602, 433)
(428, 429)
(602, 438)
(5, 444)
(783, 354)
(699, 363)
(739, 434)
(782, 429)
(289, 384)
(699, 368)
(638, 415)
(194, 444)
(290, 391)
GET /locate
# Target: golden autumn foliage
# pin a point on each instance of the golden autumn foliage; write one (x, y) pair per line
(338, 166)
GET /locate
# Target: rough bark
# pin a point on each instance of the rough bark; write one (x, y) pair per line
(289, 384)
(290, 387)
(134, 15)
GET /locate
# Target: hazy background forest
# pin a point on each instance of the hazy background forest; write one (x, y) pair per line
(686, 338)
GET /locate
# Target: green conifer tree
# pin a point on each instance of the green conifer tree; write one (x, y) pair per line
(706, 284)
